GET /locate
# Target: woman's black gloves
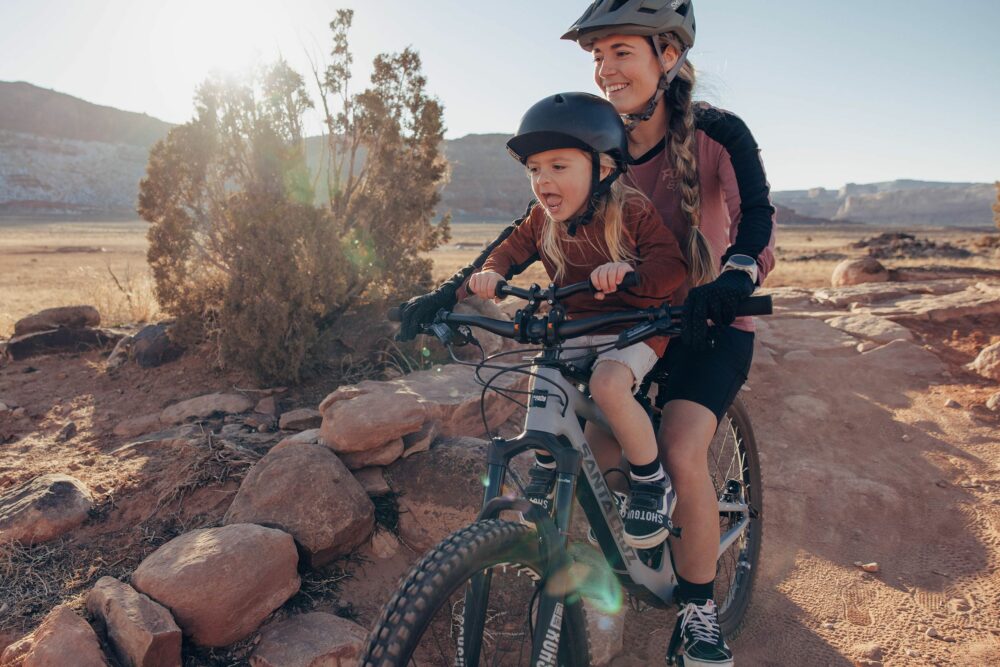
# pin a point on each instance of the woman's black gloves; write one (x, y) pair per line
(422, 309)
(716, 301)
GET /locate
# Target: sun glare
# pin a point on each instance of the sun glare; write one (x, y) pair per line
(227, 36)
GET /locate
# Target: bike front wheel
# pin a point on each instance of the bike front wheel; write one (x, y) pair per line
(734, 466)
(425, 621)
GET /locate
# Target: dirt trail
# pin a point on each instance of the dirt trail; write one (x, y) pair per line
(862, 461)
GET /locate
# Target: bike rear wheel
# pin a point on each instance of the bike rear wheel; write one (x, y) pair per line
(734, 466)
(423, 622)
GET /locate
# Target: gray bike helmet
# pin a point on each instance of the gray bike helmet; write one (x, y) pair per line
(646, 18)
(575, 120)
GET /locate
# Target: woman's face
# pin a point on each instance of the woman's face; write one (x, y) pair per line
(560, 179)
(626, 71)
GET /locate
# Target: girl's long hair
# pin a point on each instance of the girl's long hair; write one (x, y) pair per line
(618, 244)
(702, 265)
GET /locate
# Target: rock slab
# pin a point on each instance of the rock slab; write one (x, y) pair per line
(987, 363)
(43, 509)
(302, 419)
(205, 406)
(62, 639)
(221, 583)
(70, 317)
(307, 492)
(310, 640)
(141, 632)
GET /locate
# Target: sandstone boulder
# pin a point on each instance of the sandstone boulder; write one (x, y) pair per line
(372, 480)
(43, 509)
(302, 419)
(307, 492)
(221, 583)
(414, 443)
(141, 632)
(205, 406)
(69, 317)
(870, 327)
(62, 639)
(310, 640)
(857, 271)
(439, 491)
(368, 415)
(987, 362)
(380, 456)
(309, 437)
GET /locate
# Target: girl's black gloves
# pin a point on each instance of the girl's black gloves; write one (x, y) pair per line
(716, 301)
(422, 309)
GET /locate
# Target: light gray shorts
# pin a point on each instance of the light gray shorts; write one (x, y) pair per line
(639, 358)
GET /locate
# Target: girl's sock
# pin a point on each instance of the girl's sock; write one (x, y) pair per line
(648, 472)
(544, 460)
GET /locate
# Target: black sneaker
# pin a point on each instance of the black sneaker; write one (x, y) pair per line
(647, 521)
(702, 643)
(541, 488)
(621, 502)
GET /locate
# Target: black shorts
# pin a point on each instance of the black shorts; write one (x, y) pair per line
(710, 378)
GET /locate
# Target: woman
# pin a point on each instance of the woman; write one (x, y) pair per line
(701, 168)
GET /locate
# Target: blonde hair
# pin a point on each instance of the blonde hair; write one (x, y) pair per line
(617, 241)
(702, 265)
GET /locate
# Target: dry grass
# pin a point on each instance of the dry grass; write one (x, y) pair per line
(49, 264)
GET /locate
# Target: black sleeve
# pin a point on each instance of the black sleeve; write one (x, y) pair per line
(756, 224)
(457, 280)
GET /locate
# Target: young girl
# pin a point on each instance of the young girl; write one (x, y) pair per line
(588, 224)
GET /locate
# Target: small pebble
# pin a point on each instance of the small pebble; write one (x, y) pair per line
(829, 626)
(867, 567)
(910, 653)
(931, 632)
(906, 438)
(952, 403)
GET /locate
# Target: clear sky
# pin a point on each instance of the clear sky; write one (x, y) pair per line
(855, 90)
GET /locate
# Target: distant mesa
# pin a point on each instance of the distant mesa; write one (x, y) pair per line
(61, 156)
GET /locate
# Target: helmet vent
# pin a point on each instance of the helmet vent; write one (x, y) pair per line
(617, 4)
(682, 9)
(558, 99)
(647, 10)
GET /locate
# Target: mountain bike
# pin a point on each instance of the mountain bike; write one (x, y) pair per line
(510, 588)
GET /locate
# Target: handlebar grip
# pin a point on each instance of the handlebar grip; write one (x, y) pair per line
(394, 314)
(755, 305)
(499, 289)
(630, 279)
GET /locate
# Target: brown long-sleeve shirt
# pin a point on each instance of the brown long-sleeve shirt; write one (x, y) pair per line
(661, 265)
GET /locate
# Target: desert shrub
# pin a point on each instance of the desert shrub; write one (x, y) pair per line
(246, 254)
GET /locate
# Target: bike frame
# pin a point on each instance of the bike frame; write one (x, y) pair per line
(557, 428)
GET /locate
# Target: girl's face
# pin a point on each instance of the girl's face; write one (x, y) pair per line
(560, 179)
(625, 69)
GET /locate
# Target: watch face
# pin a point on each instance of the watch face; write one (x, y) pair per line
(742, 261)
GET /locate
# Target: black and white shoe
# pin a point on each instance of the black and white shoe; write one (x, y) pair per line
(541, 489)
(647, 520)
(621, 502)
(701, 640)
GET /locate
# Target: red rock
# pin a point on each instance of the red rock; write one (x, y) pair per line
(857, 271)
(63, 639)
(205, 406)
(70, 317)
(356, 419)
(372, 480)
(310, 640)
(43, 509)
(136, 426)
(302, 419)
(267, 406)
(141, 632)
(221, 583)
(380, 456)
(307, 492)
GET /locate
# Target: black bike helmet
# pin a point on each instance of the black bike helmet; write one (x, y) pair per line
(575, 120)
(673, 19)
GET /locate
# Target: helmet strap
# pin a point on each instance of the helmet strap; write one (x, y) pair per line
(632, 120)
(599, 189)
